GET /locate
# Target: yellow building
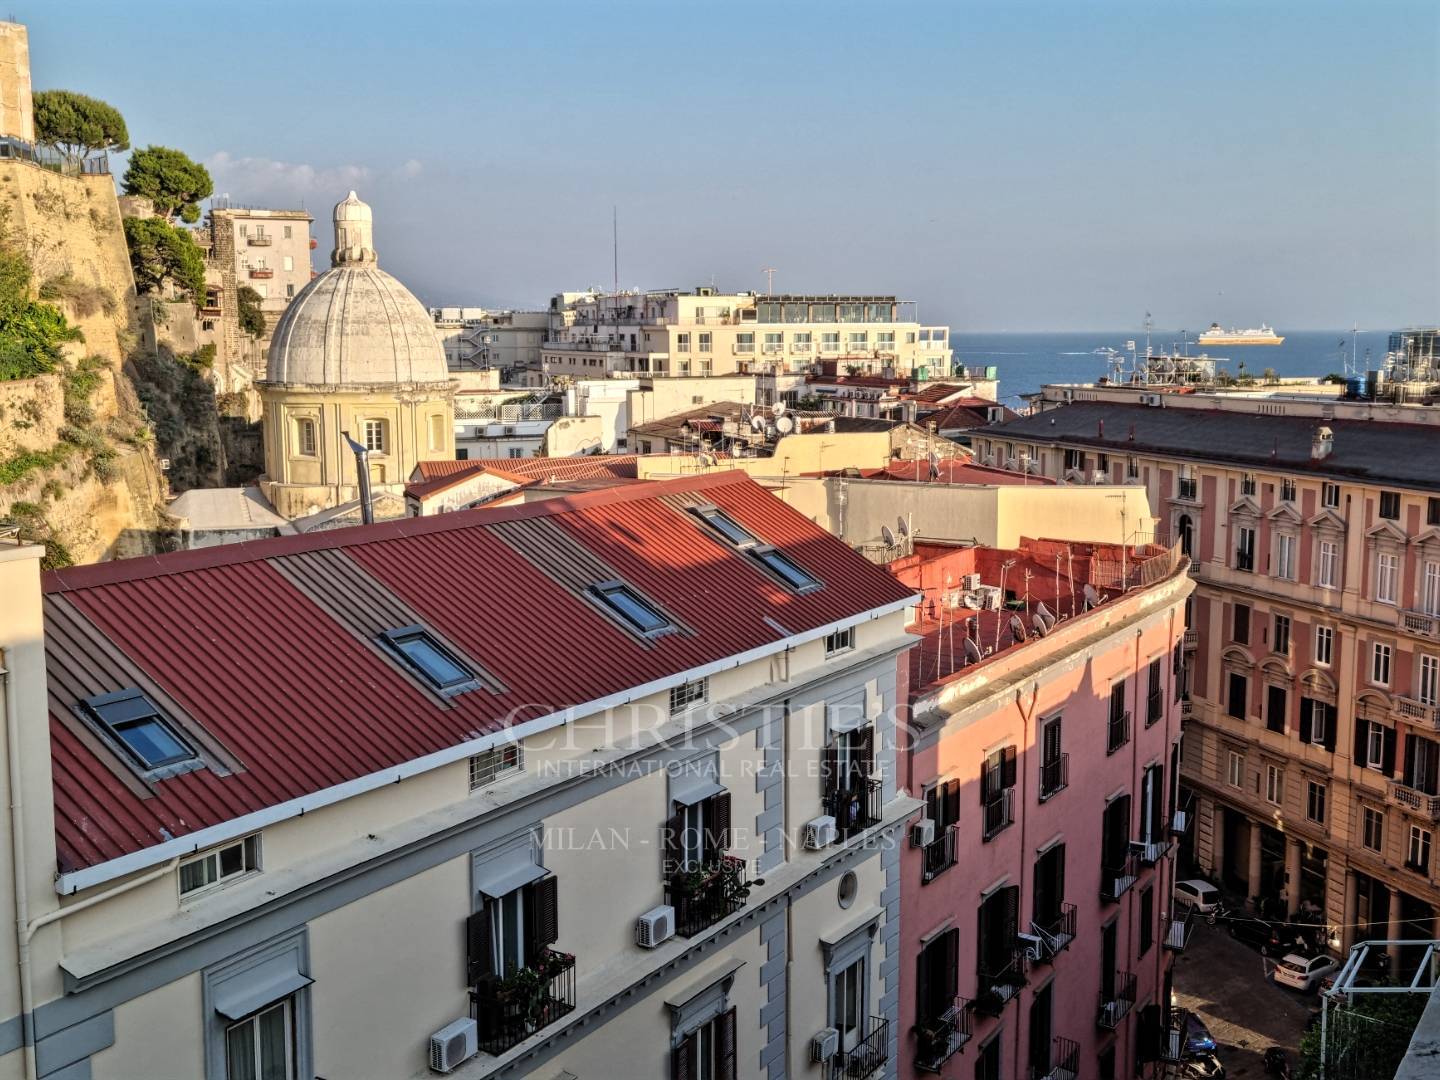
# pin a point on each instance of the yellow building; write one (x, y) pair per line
(355, 354)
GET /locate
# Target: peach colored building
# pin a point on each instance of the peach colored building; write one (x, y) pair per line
(1036, 932)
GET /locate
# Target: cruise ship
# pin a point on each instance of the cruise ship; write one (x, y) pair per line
(1218, 336)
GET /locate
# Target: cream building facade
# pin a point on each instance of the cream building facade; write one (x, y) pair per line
(704, 332)
(354, 353)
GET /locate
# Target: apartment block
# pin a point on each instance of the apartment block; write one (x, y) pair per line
(704, 332)
(637, 813)
(1312, 746)
(477, 339)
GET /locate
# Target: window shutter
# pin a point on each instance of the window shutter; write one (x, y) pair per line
(477, 947)
(1007, 778)
(542, 916)
(1157, 803)
(865, 751)
(950, 982)
(923, 989)
(986, 771)
(672, 846)
(1362, 733)
(1410, 761)
(1147, 1035)
(830, 767)
(725, 1069)
(1058, 858)
(1011, 915)
(934, 799)
(952, 802)
(680, 1059)
(718, 838)
(1307, 719)
(1328, 717)
(1387, 753)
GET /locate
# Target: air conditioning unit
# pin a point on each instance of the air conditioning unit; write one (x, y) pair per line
(1099, 477)
(453, 1044)
(825, 1045)
(970, 582)
(989, 597)
(655, 926)
(819, 832)
(1033, 945)
(1153, 400)
(922, 832)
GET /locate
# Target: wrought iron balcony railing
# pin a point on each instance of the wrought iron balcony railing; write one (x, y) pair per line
(855, 807)
(940, 1038)
(1172, 1037)
(1064, 1062)
(1150, 852)
(1177, 931)
(509, 1010)
(868, 1056)
(939, 854)
(1116, 881)
(1117, 732)
(1117, 1002)
(999, 812)
(999, 982)
(702, 898)
(1054, 776)
(1055, 933)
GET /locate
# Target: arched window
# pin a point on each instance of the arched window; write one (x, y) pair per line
(306, 441)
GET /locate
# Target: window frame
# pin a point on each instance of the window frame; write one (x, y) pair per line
(1326, 634)
(114, 730)
(395, 641)
(1235, 770)
(1372, 821)
(603, 593)
(688, 694)
(1379, 650)
(375, 426)
(1425, 838)
(1327, 490)
(1388, 500)
(249, 865)
(1316, 796)
(504, 758)
(839, 642)
(779, 565)
(1274, 785)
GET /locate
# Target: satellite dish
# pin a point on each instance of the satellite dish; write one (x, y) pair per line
(757, 422)
(785, 424)
(1039, 623)
(1017, 629)
(972, 651)
(1046, 615)
(777, 410)
(889, 536)
(1092, 598)
(903, 528)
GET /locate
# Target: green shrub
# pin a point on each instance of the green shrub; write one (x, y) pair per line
(16, 468)
(84, 300)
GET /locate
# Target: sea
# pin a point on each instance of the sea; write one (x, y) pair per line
(1026, 362)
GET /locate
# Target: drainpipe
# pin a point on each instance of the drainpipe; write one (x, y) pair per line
(1026, 715)
(25, 929)
(362, 476)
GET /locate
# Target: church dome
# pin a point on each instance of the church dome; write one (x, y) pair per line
(355, 325)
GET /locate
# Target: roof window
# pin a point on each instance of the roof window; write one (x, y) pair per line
(726, 526)
(140, 728)
(634, 611)
(785, 568)
(429, 659)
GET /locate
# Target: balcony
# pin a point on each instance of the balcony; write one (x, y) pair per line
(1428, 805)
(999, 813)
(998, 985)
(259, 272)
(1187, 708)
(1116, 881)
(1192, 639)
(855, 808)
(869, 1055)
(1150, 852)
(939, 855)
(1117, 731)
(258, 241)
(1177, 931)
(1055, 934)
(1064, 1062)
(510, 1010)
(703, 897)
(1182, 817)
(1172, 1037)
(1054, 776)
(1117, 1002)
(1421, 623)
(941, 1038)
(1417, 713)
(743, 347)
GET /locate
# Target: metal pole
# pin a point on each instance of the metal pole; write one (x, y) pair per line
(362, 475)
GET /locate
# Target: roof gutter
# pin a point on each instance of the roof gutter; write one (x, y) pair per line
(90, 876)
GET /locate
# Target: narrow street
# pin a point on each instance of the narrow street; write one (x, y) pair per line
(1224, 983)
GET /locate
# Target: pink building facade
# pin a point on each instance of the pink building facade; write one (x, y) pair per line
(1035, 889)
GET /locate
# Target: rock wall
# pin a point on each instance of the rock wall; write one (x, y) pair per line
(31, 412)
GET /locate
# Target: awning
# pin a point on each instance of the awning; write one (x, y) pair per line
(848, 713)
(694, 780)
(506, 873)
(262, 985)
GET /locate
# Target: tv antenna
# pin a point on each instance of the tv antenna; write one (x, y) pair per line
(769, 272)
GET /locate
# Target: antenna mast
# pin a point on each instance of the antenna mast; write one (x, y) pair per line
(615, 244)
(769, 272)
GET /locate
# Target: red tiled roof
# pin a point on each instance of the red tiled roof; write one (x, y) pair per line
(261, 648)
(539, 468)
(937, 392)
(969, 413)
(423, 489)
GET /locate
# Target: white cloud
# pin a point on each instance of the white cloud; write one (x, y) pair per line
(256, 180)
(411, 168)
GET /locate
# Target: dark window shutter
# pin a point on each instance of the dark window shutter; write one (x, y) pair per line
(1362, 732)
(923, 987)
(1008, 768)
(477, 947)
(1387, 754)
(1329, 718)
(952, 802)
(951, 976)
(672, 846)
(1157, 803)
(1410, 761)
(1010, 909)
(1058, 857)
(680, 1059)
(830, 767)
(725, 1046)
(865, 751)
(1307, 719)
(932, 803)
(986, 771)
(718, 839)
(542, 917)
(1147, 1035)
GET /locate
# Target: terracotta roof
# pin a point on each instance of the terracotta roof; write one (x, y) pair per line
(536, 468)
(423, 489)
(214, 636)
(956, 470)
(937, 392)
(961, 416)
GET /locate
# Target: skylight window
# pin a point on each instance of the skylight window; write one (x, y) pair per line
(635, 612)
(429, 659)
(140, 728)
(785, 568)
(726, 526)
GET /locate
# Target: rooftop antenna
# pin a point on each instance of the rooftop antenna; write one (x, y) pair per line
(1149, 325)
(769, 272)
(615, 244)
(362, 472)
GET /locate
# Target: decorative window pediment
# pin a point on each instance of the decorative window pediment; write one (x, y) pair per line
(1285, 514)
(1275, 669)
(1373, 705)
(1245, 507)
(1237, 659)
(1385, 532)
(1428, 540)
(1329, 521)
(1317, 684)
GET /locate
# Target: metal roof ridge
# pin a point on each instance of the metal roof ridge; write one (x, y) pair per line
(150, 566)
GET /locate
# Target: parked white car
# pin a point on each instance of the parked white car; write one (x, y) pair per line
(1199, 895)
(1304, 972)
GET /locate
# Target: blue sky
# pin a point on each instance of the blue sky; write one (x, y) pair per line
(1011, 166)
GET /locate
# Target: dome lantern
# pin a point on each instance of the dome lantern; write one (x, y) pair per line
(354, 233)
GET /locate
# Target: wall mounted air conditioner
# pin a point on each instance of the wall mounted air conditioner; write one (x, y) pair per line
(819, 832)
(1033, 945)
(922, 832)
(453, 1044)
(655, 926)
(970, 582)
(825, 1045)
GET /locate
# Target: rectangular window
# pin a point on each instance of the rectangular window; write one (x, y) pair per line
(1374, 745)
(1287, 490)
(682, 342)
(987, 1062)
(687, 694)
(289, 290)
(1430, 589)
(1327, 572)
(830, 341)
(262, 1047)
(783, 567)
(1147, 919)
(305, 437)
(1155, 694)
(1315, 802)
(1240, 624)
(1235, 770)
(1285, 557)
(374, 431)
(726, 526)
(1387, 574)
(140, 728)
(1432, 511)
(489, 765)
(1235, 700)
(1245, 548)
(1428, 689)
(287, 262)
(1276, 707)
(774, 342)
(1417, 853)
(704, 341)
(1119, 726)
(1373, 832)
(1247, 484)
(288, 234)
(859, 340)
(1330, 496)
(1282, 635)
(937, 973)
(1390, 505)
(1324, 645)
(429, 659)
(219, 865)
(1380, 664)
(745, 342)
(632, 610)
(841, 641)
(1274, 785)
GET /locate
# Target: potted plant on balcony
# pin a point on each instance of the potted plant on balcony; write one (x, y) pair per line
(525, 993)
(934, 1037)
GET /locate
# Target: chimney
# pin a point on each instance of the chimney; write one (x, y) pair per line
(1323, 444)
